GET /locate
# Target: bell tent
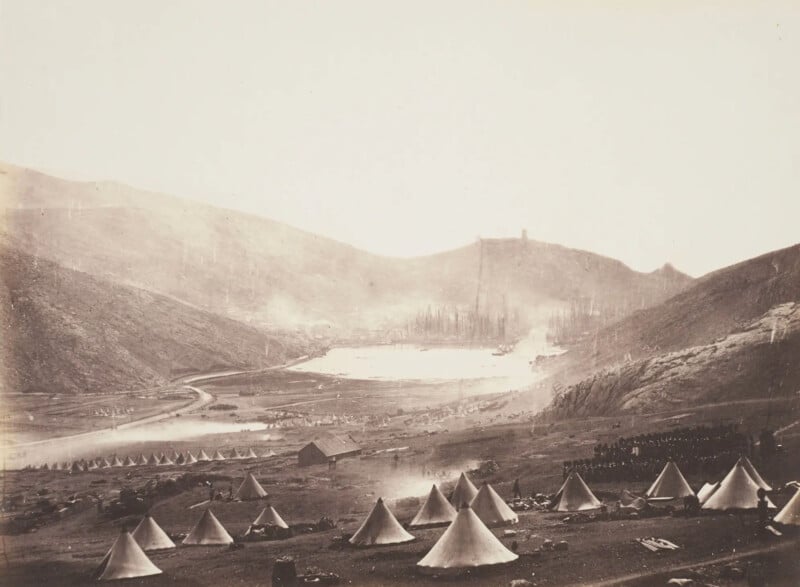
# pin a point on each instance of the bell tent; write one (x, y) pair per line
(466, 544)
(463, 492)
(208, 532)
(491, 508)
(436, 511)
(150, 536)
(217, 456)
(269, 516)
(790, 514)
(380, 528)
(737, 491)
(751, 470)
(190, 458)
(125, 560)
(250, 489)
(670, 483)
(203, 456)
(575, 496)
(251, 454)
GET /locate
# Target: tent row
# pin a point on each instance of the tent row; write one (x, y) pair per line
(467, 542)
(176, 458)
(737, 491)
(127, 557)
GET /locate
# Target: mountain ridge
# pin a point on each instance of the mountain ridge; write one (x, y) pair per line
(256, 269)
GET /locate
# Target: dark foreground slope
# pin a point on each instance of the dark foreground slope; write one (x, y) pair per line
(65, 331)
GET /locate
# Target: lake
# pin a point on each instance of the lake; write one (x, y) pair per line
(420, 363)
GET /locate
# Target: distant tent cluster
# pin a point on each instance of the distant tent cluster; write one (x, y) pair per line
(154, 460)
(127, 557)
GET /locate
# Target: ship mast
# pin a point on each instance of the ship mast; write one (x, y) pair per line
(476, 317)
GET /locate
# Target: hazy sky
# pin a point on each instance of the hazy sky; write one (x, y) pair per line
(647, 131)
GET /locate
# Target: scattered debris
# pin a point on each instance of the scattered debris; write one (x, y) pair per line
(656, 544)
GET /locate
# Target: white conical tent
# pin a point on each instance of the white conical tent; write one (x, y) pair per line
(250, 489)
(203, 456)
(706, 490)
(491, 508)
(92, 466)
(208, 532)
(269, 516)
(150, 536)
(575, 496)
(464, 492)
(380, 527)
(269, 453)
(436, 511)
(217, 456)
(125, 560)
(116, 462)
(751, 470)
(180, 459)
(737, 491)
(190, 458)
(251, 454)
(466, 544)
(165, 460)
(141, 460)
(670, 483)
(790, 514)
(153, 460)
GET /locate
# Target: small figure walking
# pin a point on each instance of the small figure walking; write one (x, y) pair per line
(517, 492)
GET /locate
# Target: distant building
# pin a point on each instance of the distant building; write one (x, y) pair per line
(323, 449)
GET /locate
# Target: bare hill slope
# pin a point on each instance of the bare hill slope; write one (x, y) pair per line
(65, 331)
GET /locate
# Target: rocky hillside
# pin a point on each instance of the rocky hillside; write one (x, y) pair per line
(757, 361)
(255, 269)
(65, 331)
(715, 305)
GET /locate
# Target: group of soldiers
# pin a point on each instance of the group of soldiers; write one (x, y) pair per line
(706, 450)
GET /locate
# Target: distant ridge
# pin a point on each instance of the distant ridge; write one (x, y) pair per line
(734, 334)
(254, 269)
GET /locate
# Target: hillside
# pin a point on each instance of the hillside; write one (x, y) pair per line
(715, 305)
(65, 331)
(733, 334)
(252, 268)
(758, 361)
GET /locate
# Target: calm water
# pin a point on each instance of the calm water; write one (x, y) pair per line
(414, 362)
(385, 363)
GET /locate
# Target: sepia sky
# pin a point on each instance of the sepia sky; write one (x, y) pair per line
(646, 131)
